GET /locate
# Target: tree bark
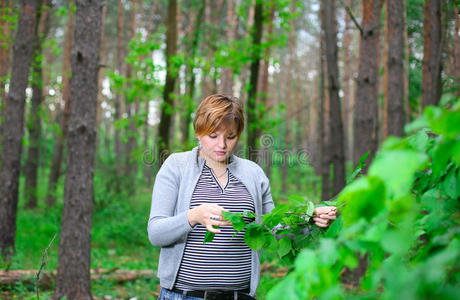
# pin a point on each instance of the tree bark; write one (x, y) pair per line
(227, 74)
(395, 104)
(56, 165)
(34, 123)
(457, 48)
(431, 71)
(167, 106)
(119, 99)
(288, 100)
(13, 125)
(365, 122)
(73, 277)
(336, 144)
(5, 51)
(255, 61)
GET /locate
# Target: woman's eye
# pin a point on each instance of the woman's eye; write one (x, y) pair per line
(231, 137)
(213, 136)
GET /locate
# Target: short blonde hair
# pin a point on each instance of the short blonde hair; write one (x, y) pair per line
(216, 110)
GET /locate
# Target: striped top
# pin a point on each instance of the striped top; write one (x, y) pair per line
(224, 263)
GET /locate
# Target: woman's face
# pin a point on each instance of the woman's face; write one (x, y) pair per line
(219, 145)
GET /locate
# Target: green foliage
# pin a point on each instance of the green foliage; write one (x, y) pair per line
(403, 216)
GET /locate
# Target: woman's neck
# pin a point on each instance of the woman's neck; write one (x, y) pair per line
(215, 165)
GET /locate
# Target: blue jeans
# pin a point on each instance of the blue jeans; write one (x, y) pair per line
(170, 295)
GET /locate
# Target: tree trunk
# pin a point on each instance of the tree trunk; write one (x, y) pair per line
(255, 61)
(73, 277)
(431, 71)
(457, 48)
(336, 144)
(288, 100)
(323, 112)
(119, 99)
(55, 170)
(395, 84)
(100, 75)
(191, 81)
(348, 82)
(167, 105)
(34, 123)
(5, 51)
(365, 120)
(407, 118)
(14, 129)
(227, 74)
(133, 108)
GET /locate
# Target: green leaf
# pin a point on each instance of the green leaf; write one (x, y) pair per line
(328, 253)
(396, 242)
(364, 198)
(209, 235)
(236, 219)
(254, 237)
(397, 168)
(284, 246)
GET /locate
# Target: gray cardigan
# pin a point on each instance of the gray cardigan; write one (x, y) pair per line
(168, 225)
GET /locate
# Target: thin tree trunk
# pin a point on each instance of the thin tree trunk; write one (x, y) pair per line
(365, 122)
(457, 48)
(431, 71)
(407, 111)
(5, 51)
(73, 277)
(119, 99)
(255, 61)
(133, 107)
(395, 84)
(14, 129)
(383, 112)
(56, 165)
(34, 124)
(336, 141)
(167, 105)
(227, 76)
(288, 101)
(100, 75)
(191, 81)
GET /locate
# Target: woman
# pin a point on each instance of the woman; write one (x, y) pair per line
(190, 192)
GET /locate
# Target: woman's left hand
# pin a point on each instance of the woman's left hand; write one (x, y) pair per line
(324, 215)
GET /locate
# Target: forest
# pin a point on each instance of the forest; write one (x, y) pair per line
(351, 103)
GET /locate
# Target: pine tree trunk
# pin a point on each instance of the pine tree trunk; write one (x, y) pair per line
(227, 74)
(395, 84)
(119, 99)
(55, 170)
(254, 69)
(73, 277)
(336, 144)
(431, 71)
(34, 123)
(13, 124)
(5, 51)
(365, 122)
(167, 106)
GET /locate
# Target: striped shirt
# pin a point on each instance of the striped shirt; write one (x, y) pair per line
(224, 263)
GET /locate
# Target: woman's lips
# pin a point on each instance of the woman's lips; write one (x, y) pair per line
(220, 152)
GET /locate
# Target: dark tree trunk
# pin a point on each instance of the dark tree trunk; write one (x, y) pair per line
(227, 75)
(133, 110)
(365, 122)
(73, 277)
(56, 164)
(395, 104)
(4, 57)
(119, 94)
(167, 106)
(255, 61)
(34, 122)
(13, 125)
(336, 141)
(191, 81)
(288, 101)
(431, 72)
(323, 116)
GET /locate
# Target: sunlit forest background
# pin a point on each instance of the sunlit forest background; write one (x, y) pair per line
(322, 82)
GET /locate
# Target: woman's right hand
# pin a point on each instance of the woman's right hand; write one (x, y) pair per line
(202, 215)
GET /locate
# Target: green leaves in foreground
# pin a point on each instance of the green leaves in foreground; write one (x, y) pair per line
(280, 231)
(402, 218)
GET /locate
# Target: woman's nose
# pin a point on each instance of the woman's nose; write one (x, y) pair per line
(222, 142)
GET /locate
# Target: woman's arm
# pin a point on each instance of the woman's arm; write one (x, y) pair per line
(164, 228)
